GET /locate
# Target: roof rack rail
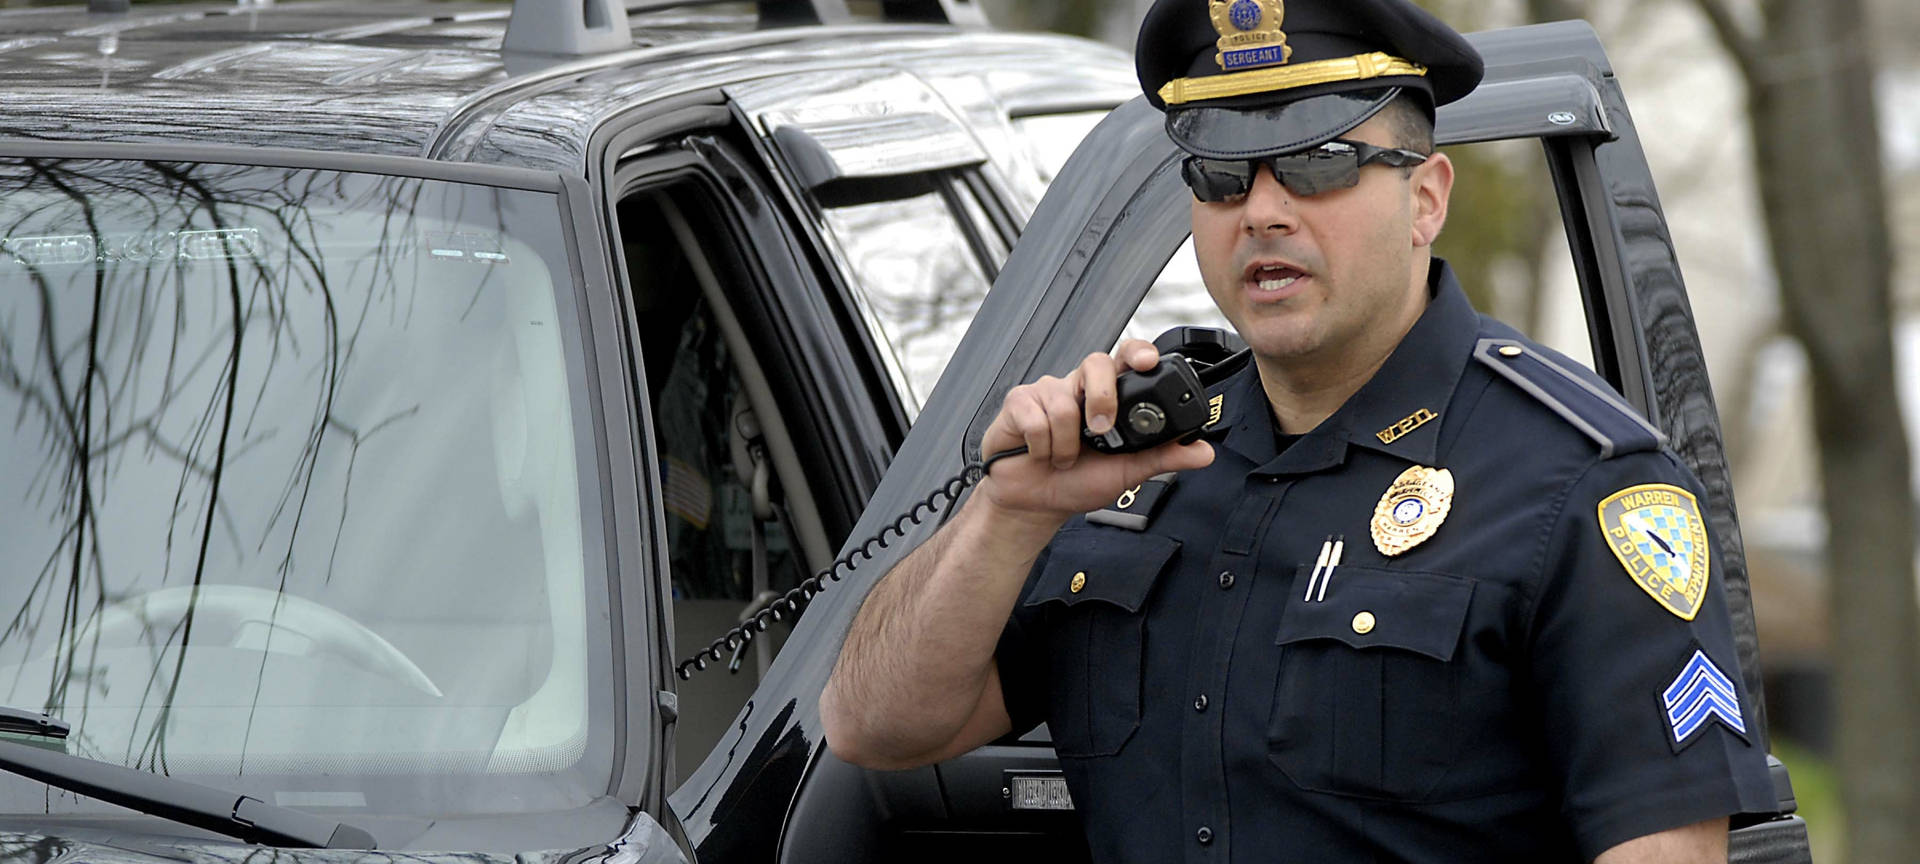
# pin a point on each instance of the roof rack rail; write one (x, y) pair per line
(782, 13)
(599, 26)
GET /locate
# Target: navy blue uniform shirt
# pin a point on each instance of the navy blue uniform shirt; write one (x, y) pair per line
(1547, 672)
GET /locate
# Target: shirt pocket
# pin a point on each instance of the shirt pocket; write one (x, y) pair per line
(1368, 697)
(1094, 588)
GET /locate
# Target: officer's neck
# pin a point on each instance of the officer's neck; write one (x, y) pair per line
(1305, 390)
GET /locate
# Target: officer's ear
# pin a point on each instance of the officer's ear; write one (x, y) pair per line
(1430, 185)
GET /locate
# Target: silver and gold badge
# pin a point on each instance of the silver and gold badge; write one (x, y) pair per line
(1412, 509)
(1657, 533)
(1250, 35)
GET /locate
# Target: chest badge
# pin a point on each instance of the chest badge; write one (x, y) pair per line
(1657, 533)
(1412, 509)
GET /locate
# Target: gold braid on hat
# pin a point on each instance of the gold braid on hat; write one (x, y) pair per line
(1359, 67)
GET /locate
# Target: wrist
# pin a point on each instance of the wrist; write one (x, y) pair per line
(1001, 520)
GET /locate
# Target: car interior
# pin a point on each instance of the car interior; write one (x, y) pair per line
(742, 527)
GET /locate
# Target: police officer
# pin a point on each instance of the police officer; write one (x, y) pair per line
(1427, 590)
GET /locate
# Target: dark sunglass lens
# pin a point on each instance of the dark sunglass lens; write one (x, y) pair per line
(1318, 171)
(1214, 180)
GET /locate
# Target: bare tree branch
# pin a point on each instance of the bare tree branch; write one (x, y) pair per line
(1741, 46)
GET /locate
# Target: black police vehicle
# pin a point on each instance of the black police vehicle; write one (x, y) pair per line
(397, 395)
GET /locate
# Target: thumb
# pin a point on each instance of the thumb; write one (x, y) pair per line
(1177, 457)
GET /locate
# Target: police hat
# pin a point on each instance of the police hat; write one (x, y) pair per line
(1246, 78)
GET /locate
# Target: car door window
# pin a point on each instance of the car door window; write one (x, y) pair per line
(1050, 138)
(917, 276)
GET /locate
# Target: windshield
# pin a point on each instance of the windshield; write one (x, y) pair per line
(291, 487)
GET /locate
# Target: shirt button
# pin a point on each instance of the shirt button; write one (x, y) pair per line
(1226, 579)
(1204, 835)
(1200, 702)
(1363, 623)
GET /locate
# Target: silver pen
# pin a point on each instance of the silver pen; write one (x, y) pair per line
(1326, 579)
(1326, 549)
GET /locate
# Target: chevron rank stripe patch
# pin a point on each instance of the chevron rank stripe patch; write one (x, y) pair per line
(1700, 694)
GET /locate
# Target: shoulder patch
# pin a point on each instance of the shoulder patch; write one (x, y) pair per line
(1592, 409)
(1658, 534)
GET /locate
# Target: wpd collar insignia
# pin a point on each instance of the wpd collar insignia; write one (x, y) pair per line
(1657, 533)
(1250, 35)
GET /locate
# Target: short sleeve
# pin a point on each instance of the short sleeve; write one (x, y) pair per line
(1638, 681)
(1021, 657)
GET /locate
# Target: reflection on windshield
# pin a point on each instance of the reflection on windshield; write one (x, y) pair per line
(288, 485)
(917, 283)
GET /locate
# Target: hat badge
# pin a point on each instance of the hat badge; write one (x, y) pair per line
(1250, 35)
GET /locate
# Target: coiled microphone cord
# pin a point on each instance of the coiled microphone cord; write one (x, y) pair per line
(941, 500)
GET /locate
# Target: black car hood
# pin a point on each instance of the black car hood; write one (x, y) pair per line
(643, 842)
(44, 849)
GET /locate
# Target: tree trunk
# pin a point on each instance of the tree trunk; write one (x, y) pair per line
(1816, 141)
(1078, 17)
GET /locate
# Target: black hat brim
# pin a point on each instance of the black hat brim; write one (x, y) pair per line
(1219, 131)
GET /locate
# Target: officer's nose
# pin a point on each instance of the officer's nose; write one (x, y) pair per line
(1268, 207)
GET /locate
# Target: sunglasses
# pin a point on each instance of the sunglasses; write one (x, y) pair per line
(1333, 165)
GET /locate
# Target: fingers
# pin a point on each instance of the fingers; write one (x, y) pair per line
(1026, 415)
(1166, 458)
(1137, 354)
(1181, 457)
(1063, 416)
(1098, 373)
(1096, 376)
(1045, 416)
(1049, 414)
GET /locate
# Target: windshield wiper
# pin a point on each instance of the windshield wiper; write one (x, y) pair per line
(188, 803)
(20, 722)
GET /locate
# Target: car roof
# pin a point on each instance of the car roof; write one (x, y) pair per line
(416, 78)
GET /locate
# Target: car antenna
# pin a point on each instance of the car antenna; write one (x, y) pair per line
(587, 27)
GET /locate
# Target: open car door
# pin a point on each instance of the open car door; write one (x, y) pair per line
(1107, 227)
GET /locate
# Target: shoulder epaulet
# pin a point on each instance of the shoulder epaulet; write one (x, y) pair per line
(1591, 408)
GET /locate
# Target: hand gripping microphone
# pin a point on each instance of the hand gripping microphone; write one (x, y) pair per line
(1165, 403)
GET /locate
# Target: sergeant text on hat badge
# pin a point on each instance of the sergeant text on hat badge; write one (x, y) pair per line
(1412, 509)
(1250, 34)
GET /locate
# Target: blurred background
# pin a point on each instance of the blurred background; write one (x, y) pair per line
(1785, 139)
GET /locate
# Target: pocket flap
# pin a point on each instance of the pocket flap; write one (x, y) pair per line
(1367, 607)
(1104, 564)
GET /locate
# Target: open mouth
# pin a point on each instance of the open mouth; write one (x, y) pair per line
(1273, 278)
